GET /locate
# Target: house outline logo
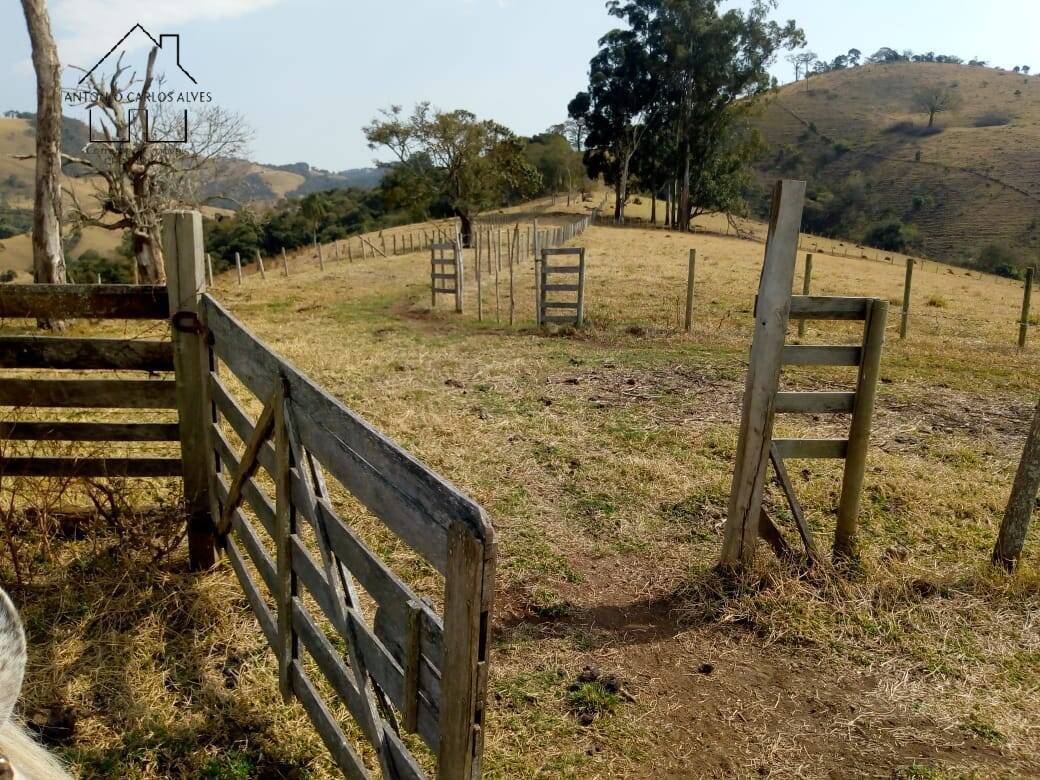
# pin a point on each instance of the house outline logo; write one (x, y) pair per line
(174, 41)
(162, 36)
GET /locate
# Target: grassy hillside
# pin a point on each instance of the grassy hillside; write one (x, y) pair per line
(604, 459)
(975, 182)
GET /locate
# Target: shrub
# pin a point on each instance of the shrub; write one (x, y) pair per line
(891, 236)
(86, 268)
(7, 276)
(1000, 259)
(993, 119)
(937, 301)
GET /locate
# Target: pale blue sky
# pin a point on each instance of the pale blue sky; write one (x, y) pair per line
(307, 74)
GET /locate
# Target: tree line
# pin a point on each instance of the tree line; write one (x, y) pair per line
(669, 99)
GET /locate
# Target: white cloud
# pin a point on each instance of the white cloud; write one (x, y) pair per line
(85, 29)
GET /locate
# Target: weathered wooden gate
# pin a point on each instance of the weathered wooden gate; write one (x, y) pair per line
(570, 312)
(756, 447)
(447, 282)
(343, 625)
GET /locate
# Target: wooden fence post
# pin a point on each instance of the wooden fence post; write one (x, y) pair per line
(904, 322)
(459, 277)
(185, 284)
(581, 288)
(1023, 328)
(772, 311)
(238, 267)
(689, 290)
(538, 290)
(260, 263)
(1019, 509)
(859, 430)
(806, 289)
(321, 258)
(285, 263)
(209, 269)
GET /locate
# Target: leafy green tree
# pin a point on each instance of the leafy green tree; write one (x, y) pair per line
(617, 108)
(558, 163)
(703, 64)
(479, 163)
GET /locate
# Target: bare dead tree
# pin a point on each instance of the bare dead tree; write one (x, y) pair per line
(137, 172)
(48, 257)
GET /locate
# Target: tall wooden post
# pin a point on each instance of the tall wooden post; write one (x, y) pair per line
(806, 289)
(689, 290)
(1019, 510)
(260, 263)
(285, 263)
(238, 267)
(459, 277)
(185, 284)
(859, 430)
(321, 258)
(772, 311)
(1023, 328)
(581, 288)
(209, 269)
(904, 321)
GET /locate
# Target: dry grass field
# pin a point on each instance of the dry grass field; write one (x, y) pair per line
(604, 459)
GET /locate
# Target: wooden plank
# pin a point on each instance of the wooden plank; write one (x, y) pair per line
(573, 319)
(348, 761)
(91, 467)
(330, 662)
(249, 587)
(284, 533)
(763, 376)
(815, 403)
(413, 501)
(239, 421)
(88, 431)
(84, 354)
(90, 393)
(811, 355)
(561, 269)
(560, 288)
(564, 250)
(186, 280)
(248, 463)
(468, 596)
(793, 449)
(560, 305)
(261, 505)
(819, 307)
(94, 301)
(444, 290)
(386, 672)
(792, 502)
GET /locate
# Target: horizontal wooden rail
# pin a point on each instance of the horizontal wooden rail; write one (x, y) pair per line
(90, 393)
(792, 449)
(564, 250)
(561, 287)
(815, 403)
(93, 301)
(413, 502)
(89, 431)
(812, 355)
(817, 307)
(90, 467)
(561, 269)
(84, 354)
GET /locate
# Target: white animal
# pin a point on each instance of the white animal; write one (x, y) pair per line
(21, 757)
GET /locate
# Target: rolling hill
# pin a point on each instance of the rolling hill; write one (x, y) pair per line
(231, 183)
(971, 181)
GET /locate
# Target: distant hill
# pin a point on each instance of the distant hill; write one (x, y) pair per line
(231, 184)
(854, 136)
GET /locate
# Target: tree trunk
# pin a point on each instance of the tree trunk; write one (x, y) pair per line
(1013, 529)
(623, 188)
(48, 255)
(684, 197)
(931, 119)
(148, 255)
(466, 226)
(653, 207)
(668, 205)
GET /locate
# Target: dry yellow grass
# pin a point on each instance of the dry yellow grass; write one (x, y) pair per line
(604, 459)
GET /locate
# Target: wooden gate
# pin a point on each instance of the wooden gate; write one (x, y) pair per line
(442, 282)
(574, 282)
(756, 448)
(57, 354)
